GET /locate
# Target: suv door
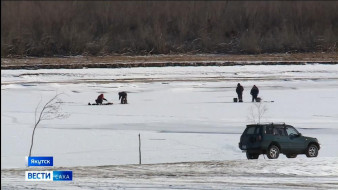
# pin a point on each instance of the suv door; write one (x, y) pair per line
(281, 138)
(296, 141)
(249, 138)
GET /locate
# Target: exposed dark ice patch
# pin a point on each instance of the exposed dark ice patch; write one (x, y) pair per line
(28, 85)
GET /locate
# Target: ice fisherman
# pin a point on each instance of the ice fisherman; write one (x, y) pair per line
(100, 99)
(254, 93)
(239, 91)
(123, 97)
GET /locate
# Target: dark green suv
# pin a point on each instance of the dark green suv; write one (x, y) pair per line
(272, 139)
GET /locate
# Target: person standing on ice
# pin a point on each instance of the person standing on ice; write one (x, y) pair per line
(100, 99)
(254, 93)
(239, 91)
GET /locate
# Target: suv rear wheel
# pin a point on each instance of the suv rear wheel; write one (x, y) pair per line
(273, 152)
(252, 156)
(312, 151)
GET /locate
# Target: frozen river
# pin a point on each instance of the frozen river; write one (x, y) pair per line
(183, 114)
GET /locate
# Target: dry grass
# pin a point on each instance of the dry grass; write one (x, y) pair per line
(125, 61)
(47, 28)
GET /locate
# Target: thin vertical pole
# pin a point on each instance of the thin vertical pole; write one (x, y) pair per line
(139, 147)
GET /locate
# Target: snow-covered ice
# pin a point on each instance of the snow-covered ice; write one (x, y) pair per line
(232, 174)
(184, 114)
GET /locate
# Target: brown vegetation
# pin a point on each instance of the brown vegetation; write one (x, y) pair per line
(49, 28)
(118, 61)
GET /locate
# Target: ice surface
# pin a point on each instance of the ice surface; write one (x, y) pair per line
(184, 114)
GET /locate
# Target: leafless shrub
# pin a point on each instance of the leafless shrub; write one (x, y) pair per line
(257, 112)
(51, 110)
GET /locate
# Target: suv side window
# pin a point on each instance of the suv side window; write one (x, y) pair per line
(269, 130)
(253, 130)
(257, 131)
(291, 131)
(279, 131)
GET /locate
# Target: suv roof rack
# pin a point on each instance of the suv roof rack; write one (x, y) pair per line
(270, 123)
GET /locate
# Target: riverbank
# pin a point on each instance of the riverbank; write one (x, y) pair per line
(123, 61)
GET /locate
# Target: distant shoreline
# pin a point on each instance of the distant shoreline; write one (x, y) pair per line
(123, 61)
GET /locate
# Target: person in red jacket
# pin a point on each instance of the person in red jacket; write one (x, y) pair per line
(100, 99)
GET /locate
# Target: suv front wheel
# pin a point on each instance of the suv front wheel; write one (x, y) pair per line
(273, 152)
(312, 151)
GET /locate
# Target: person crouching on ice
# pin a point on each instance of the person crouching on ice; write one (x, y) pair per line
(123, 97)
(100, 99)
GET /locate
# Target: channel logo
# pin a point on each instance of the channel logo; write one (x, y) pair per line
(39, 176)
(62, 175)
(49, 175)
(39, 161)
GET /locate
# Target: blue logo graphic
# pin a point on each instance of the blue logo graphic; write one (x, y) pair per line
(49, 176)
(39, 161)
(39, 176)
(62, 175)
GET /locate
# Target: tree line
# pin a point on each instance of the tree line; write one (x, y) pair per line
(57, 28)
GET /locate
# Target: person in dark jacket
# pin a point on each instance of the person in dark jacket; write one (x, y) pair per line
(239, 91)
(254, 93)
(123, 97)
(100, 99)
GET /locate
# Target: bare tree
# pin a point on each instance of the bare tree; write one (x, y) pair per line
(51, 110)
(257, 112)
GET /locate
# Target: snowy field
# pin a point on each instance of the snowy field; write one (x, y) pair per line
(189, 126)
